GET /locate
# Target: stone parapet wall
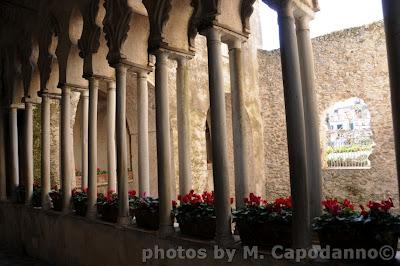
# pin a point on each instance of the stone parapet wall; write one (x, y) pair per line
(349, 63)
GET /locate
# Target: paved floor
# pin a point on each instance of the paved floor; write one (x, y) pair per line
(10, 257)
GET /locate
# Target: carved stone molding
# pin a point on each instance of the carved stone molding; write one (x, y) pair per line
(282, 7)
(158, 11)
(89, 42)
(48, 28)
(24, 54)
(246, 11)
(63, 46)
(116, 27)
(203, 17)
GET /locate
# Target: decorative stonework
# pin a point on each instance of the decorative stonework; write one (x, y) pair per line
(245, 14)
(45, 58)
(63, 46)
(203, 17)
(116, 27)
(24, 53)
(158, 11)
(89, 42)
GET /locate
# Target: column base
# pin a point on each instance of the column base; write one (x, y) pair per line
(123, 220)
(225, 240)
(66, 211)
(91, 213)
(165, 230)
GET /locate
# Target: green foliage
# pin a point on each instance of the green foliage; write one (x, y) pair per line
(348, 148)
(197, 212)
(257, 210)
(36, 144)
(144, 203)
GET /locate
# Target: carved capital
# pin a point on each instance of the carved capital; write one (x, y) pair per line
(203, 17)
(63, 46)
(284, 8)
(24, 54)
(116, 27)
(89, 42)
(45, 58)
(246, 11)
(158, 11)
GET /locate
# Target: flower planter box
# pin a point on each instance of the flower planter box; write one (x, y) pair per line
(147, 219)
(57, 205)
(199, 229)
(109, 214)
(265, 234)
(357, 237)
(80, 208)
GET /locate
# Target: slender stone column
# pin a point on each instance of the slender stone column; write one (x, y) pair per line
(239, 122)
(28, 135)
(92, 181)
(311, 115)
(183, 112)
(14, 156)
(84, 138)
(111, 153)
(163, 143)
(143, 133)
(122, 154)
(66, 144)
(45, 148)
(391, 14)
(3, 182)
(219, 138)
(295, 126)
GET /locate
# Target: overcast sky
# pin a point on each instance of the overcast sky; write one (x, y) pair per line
(334, 15)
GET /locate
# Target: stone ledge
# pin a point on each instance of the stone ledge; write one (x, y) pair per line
(72, 240)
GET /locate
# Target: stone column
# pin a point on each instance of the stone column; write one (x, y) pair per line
(92, 181)
(66, 144)
(122, 155)
(239, 122)
(28, 135)
(14, 156)
(311, 115)
(163, 143)
(219, 138)
(84, 138)
(3, 182)
(183, 113)
(45, 150)
(295, 126)
(391, 14)
(143, 133)
(111, 153)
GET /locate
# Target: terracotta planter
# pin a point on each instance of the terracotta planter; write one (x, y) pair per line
(265, 234)
(147, 219)
(80, 208)
(199, 229)
(357, 237)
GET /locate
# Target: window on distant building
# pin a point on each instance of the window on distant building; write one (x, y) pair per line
(349, 140)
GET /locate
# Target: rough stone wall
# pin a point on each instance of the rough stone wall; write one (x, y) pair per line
(350, 63)
(55, 137)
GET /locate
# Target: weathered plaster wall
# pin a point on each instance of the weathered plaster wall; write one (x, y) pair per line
(350, 63)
